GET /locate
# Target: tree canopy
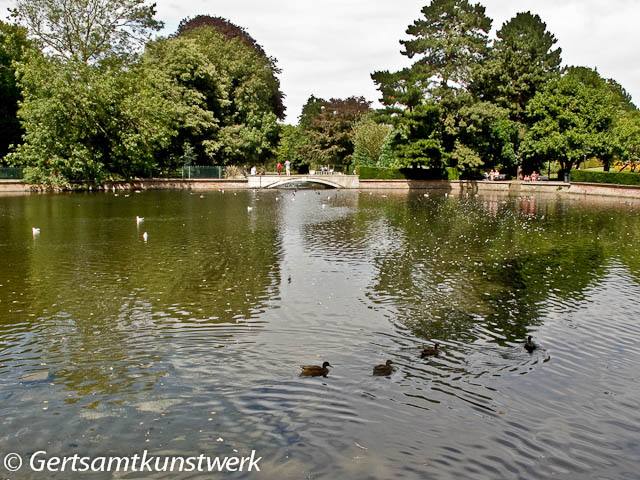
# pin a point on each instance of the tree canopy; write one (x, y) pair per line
(94, 109)
(13, 47)
(88, 31)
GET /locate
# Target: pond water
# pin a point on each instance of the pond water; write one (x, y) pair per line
(190, 342)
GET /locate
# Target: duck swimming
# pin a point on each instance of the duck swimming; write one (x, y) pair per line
(385, 369)
(315, 370)
(529, 345)
(430, 351)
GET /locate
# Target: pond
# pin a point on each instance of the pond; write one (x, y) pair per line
(190, 342)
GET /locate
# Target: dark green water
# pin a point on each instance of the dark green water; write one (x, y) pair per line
(190, 342)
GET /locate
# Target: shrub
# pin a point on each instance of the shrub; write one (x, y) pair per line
(620, 178)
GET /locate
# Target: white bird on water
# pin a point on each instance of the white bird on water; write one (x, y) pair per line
(249, 209)
(139, 219)
(145, 236)
(35, 231)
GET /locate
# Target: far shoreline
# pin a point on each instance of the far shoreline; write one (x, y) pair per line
(510, 187)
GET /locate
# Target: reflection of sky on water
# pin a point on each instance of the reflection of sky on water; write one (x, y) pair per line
(198, 334)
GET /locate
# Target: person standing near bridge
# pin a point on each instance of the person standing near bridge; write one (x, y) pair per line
(287, 167)
(279, 167)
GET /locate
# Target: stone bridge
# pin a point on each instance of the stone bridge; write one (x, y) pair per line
(275, 181)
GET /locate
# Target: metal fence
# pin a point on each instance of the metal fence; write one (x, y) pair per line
(195, 171)
(11, 173)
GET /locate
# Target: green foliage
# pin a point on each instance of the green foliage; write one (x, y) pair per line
(619, 178)
(520, 64)
(225, 89)
(231, 31)
(453, 173)
(448, 41)
(571, 120)
(369, 138)
(291, 147)
(417, 141)
(627, 132)
(88, 32)
(86, 123)
(197, 98)
(13, 47)
(327, 126)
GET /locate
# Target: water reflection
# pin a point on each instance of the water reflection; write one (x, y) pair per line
(110, 343)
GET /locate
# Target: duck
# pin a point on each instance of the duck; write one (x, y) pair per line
(145, 236)
(139, 219)
(35, 231)
(430, 351)
(385, 369)
(315, 370)
(529, 345)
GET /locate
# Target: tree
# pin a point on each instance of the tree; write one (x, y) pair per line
(230, 81)
(291, 147)
(13, 47)
(446, 44)
(232, 31)
(327, 126)
(88, 31)
(485, 137)
(417, 141)
(368, 138)
(86, 123)
(520, 63)
(572, 119)
(627, 131)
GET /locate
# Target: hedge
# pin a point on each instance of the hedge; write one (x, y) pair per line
(375, 173)
(619, 178)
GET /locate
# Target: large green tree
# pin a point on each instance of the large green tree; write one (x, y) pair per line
(571, 120)
(446, 44)
(87, 123)
(88, 31)
(232, 31)
(13, 47)
(369, 138)
(417, 139)
(327, 126)
(521, 61)
(230, 81)
(450, 39)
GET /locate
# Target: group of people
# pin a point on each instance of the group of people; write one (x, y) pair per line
(287, 167)
(254, 170)
(531, 178)
(492, 175)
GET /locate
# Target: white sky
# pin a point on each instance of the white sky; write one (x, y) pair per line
(329, 48)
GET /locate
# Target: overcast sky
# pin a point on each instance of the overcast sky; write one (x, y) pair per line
(329, 48)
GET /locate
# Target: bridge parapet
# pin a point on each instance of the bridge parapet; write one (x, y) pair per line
(275, 181)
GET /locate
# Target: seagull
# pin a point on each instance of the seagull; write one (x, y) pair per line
(35, 231)
(139, 219)
(145, 236)
(249, 209)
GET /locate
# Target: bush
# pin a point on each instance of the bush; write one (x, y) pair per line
(619, 178)
(376, 173)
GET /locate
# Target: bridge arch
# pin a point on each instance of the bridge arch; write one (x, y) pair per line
(306, 179)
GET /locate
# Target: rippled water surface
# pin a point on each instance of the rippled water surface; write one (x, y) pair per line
(191, 342)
